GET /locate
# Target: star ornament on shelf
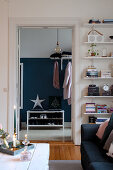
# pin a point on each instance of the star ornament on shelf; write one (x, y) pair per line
(37, 102)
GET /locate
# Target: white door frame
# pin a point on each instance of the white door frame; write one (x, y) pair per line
(14, 23)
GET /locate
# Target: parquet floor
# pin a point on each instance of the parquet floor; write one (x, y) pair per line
(63, 150)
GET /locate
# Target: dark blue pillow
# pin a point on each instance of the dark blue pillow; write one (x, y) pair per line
(107, 131)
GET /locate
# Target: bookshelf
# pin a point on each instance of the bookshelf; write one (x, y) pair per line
(100, 62)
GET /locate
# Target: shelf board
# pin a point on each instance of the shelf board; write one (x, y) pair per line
(99, 43)
(45, 111)
(98, 96)
(97, 78)
(101, 25)
(98, 57)
(45, 125)
(46, 119)
(97, 113)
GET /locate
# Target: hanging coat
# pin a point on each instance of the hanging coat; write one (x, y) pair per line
(56, 76)
(68, 83)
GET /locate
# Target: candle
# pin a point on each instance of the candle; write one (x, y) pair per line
(14, 118)
(0, 126)
(25, 136)
(104, 52)
(14, 141)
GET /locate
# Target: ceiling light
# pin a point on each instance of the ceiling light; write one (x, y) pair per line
(57, 49)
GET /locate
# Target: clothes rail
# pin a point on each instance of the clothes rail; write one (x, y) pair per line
(64, 57)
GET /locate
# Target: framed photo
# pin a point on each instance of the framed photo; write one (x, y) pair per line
(55, 102)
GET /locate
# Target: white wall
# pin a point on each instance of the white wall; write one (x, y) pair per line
(3, 62)
(41, 8)
(61, 8)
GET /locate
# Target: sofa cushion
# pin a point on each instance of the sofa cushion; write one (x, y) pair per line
(108, 141)
(107, 131)
(100, 166)
(101, 129)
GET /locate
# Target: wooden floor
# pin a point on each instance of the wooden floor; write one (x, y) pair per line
(63, 150)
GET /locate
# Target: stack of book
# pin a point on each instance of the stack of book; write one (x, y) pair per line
(91, 72)
(90, 108)
(100, 120)
(110, 110)
(101, 108)
(107, 21)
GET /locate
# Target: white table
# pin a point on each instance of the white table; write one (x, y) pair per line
(39, 161)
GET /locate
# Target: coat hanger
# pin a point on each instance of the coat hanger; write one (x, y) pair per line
(92, 30)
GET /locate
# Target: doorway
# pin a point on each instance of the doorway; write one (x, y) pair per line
(14, 23)
(51, 118)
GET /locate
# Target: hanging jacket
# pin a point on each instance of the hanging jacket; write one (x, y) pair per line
(68, 82)
(56, 76)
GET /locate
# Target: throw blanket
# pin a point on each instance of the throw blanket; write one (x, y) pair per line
(56, 76)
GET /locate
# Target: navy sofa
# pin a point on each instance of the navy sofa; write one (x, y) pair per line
(93, 157)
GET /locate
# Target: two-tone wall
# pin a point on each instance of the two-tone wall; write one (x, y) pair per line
(38, 79)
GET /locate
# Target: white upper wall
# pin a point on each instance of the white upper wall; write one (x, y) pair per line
(61, 8)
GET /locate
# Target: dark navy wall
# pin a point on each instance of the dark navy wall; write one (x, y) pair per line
(38, 79)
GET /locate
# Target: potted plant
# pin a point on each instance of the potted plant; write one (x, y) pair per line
(4, 135)
(92, 51)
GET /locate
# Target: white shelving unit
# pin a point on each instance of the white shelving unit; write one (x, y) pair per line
(99, 62)
(53, 118)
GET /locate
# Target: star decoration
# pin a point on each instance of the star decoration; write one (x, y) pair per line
(37, 102)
